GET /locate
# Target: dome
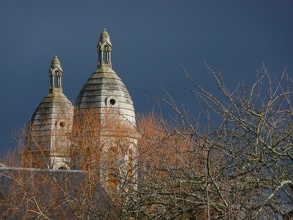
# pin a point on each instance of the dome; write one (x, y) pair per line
(105, 90)
(55, 60)
(51, 123)
(49, 128)
(105, 37)
(54, 107)
(56, 63)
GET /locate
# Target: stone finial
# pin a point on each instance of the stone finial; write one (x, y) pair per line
(55, 70)
(104, 49)
(105, 37)
(55, 64)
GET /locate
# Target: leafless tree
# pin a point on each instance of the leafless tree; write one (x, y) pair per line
(238, 166)
(233, 162)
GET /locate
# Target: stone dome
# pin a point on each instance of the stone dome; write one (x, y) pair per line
(51, 122)
(56, 63)
(55, 111)
(105, 37)
(104, 90)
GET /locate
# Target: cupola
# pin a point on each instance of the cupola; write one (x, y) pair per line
(47, 141)
(55, 73)
(104, 90)
(104, 50)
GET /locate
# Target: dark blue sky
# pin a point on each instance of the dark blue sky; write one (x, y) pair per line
(151, 40)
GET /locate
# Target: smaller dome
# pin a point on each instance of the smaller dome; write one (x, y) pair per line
(55, 60)
(56, 63)
(105, 37)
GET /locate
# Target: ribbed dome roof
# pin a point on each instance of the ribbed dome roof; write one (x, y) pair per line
(104, 89)
(54, 114)
(54, 106)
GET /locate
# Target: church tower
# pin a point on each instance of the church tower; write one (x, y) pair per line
(106, 97)
(104, 90)
(48, 134)
(98, 136)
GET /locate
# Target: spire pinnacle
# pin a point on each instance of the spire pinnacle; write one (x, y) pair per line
(104, 50)
(55, 64)
(55, 73)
